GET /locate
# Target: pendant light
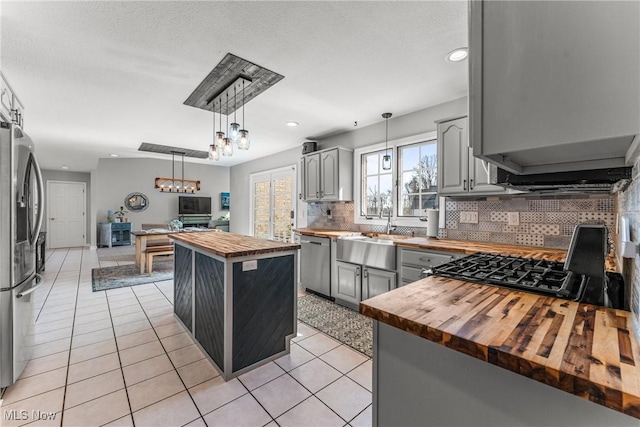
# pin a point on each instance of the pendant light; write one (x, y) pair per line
(227, 145)
(214, 151)
(219, 134)
(234, 129)
(243, 143)
(386, 159)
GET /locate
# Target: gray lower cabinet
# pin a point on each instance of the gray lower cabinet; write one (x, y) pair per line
(413, 261)
(357, 282)
(349, 285)
(376, 282)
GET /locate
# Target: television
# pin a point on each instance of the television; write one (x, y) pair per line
(190, 205)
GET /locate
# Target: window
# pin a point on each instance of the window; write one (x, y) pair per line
(418, 178)
(406, 190)
(377, 185)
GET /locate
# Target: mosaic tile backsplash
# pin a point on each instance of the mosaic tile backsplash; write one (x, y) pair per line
(537, 221)
(547, 222)
(629, 206)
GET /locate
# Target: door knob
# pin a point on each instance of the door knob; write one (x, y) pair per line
(51, 219)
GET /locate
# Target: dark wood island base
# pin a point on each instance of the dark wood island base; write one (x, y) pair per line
(236, 296)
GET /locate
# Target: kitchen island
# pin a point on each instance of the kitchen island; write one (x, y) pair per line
(236, 295)
(450, 352)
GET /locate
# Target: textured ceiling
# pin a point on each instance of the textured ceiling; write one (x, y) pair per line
(101, 77)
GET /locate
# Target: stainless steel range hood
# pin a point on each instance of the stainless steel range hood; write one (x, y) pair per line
(609, 180)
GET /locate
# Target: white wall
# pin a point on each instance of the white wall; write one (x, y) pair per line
(399, 127)
(114, 179)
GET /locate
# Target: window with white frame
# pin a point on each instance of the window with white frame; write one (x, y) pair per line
(410, 187)
(377, 185)
(417, 178)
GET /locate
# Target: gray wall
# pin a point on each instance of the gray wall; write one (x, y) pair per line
(114, 179)
(399, 127)
(54, 175)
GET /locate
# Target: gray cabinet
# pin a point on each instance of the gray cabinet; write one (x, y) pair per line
(459, 172)
(114, 234)
(412, 261)
(376, 282)
(328, 175)
(554, 85)
(348, 287)
(11, 109)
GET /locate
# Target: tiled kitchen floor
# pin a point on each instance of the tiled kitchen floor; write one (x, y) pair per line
(119, 358)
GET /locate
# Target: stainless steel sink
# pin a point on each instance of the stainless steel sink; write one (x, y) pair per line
(377, 252)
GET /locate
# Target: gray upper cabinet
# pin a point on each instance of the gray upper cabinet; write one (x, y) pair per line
(459, 172)
(554, 85)
(328, 175)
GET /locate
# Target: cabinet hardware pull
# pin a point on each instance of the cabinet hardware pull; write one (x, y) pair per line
(317, 195)
(470, 184)
(464, 184)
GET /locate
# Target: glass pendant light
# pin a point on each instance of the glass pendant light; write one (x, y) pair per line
(386, 159)
(234, 129)
(220, 134)
(213, 148)
(227, 145)
(243, 142)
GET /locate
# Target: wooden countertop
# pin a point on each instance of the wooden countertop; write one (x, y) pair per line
(322, 232)
(231, 245)
(582, 349)
(462, 246)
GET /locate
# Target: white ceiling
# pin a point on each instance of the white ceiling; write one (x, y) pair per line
(101, 77)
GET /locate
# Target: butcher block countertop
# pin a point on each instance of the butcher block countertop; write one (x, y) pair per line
(231, 245)
(462, 246)
(582, 349)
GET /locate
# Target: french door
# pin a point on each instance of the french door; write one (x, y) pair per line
(273, 203)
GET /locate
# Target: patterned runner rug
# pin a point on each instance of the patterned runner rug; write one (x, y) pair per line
(345, 325)
(129, 275)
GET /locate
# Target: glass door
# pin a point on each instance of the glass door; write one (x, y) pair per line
(273, 204)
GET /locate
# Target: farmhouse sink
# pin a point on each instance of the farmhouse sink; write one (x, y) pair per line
(377, 252)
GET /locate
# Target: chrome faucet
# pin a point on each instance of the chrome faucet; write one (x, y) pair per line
(390, 227)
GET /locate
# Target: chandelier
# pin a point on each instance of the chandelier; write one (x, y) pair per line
(223, 144)
(177, 185)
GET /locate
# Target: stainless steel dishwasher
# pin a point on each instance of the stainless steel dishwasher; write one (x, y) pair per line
(315, 264)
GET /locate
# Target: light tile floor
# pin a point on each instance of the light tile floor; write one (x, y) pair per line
(119, 358)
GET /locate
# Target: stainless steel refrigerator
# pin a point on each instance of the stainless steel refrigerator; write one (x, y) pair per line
(21, 207)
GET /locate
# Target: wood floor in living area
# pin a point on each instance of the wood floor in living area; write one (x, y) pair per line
(119, 358)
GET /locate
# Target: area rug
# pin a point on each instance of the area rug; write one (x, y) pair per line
(121, 276)
(345, 325)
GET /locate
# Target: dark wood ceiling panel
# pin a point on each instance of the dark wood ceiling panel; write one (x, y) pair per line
(224, 74)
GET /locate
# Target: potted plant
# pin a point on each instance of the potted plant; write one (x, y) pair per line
(120, 214)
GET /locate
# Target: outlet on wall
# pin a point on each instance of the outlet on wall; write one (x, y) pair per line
(513, 218)
(469, 217)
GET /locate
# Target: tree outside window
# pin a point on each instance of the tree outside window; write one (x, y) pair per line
(418, 177)
(377, 185)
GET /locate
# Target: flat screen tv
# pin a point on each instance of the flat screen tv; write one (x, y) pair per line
(194, 205)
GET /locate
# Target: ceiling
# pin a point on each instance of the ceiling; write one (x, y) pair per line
(100, 78)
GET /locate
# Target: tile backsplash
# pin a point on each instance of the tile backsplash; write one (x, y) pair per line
(629, 206)
(541, 220)
(546, 221)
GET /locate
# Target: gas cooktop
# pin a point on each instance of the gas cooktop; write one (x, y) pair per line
(533, 275)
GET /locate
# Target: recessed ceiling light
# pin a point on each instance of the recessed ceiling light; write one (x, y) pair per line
(65, 167)
(292, 124)
(458, 54)
(113, 155)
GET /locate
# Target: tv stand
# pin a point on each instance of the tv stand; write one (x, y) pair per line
(195, 220)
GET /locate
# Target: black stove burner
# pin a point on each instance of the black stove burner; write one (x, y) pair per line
(533, 275)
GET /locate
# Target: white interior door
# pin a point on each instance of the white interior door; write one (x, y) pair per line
(66, 206)
(273, 203)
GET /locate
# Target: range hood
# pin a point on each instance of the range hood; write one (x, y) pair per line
(609, 180)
